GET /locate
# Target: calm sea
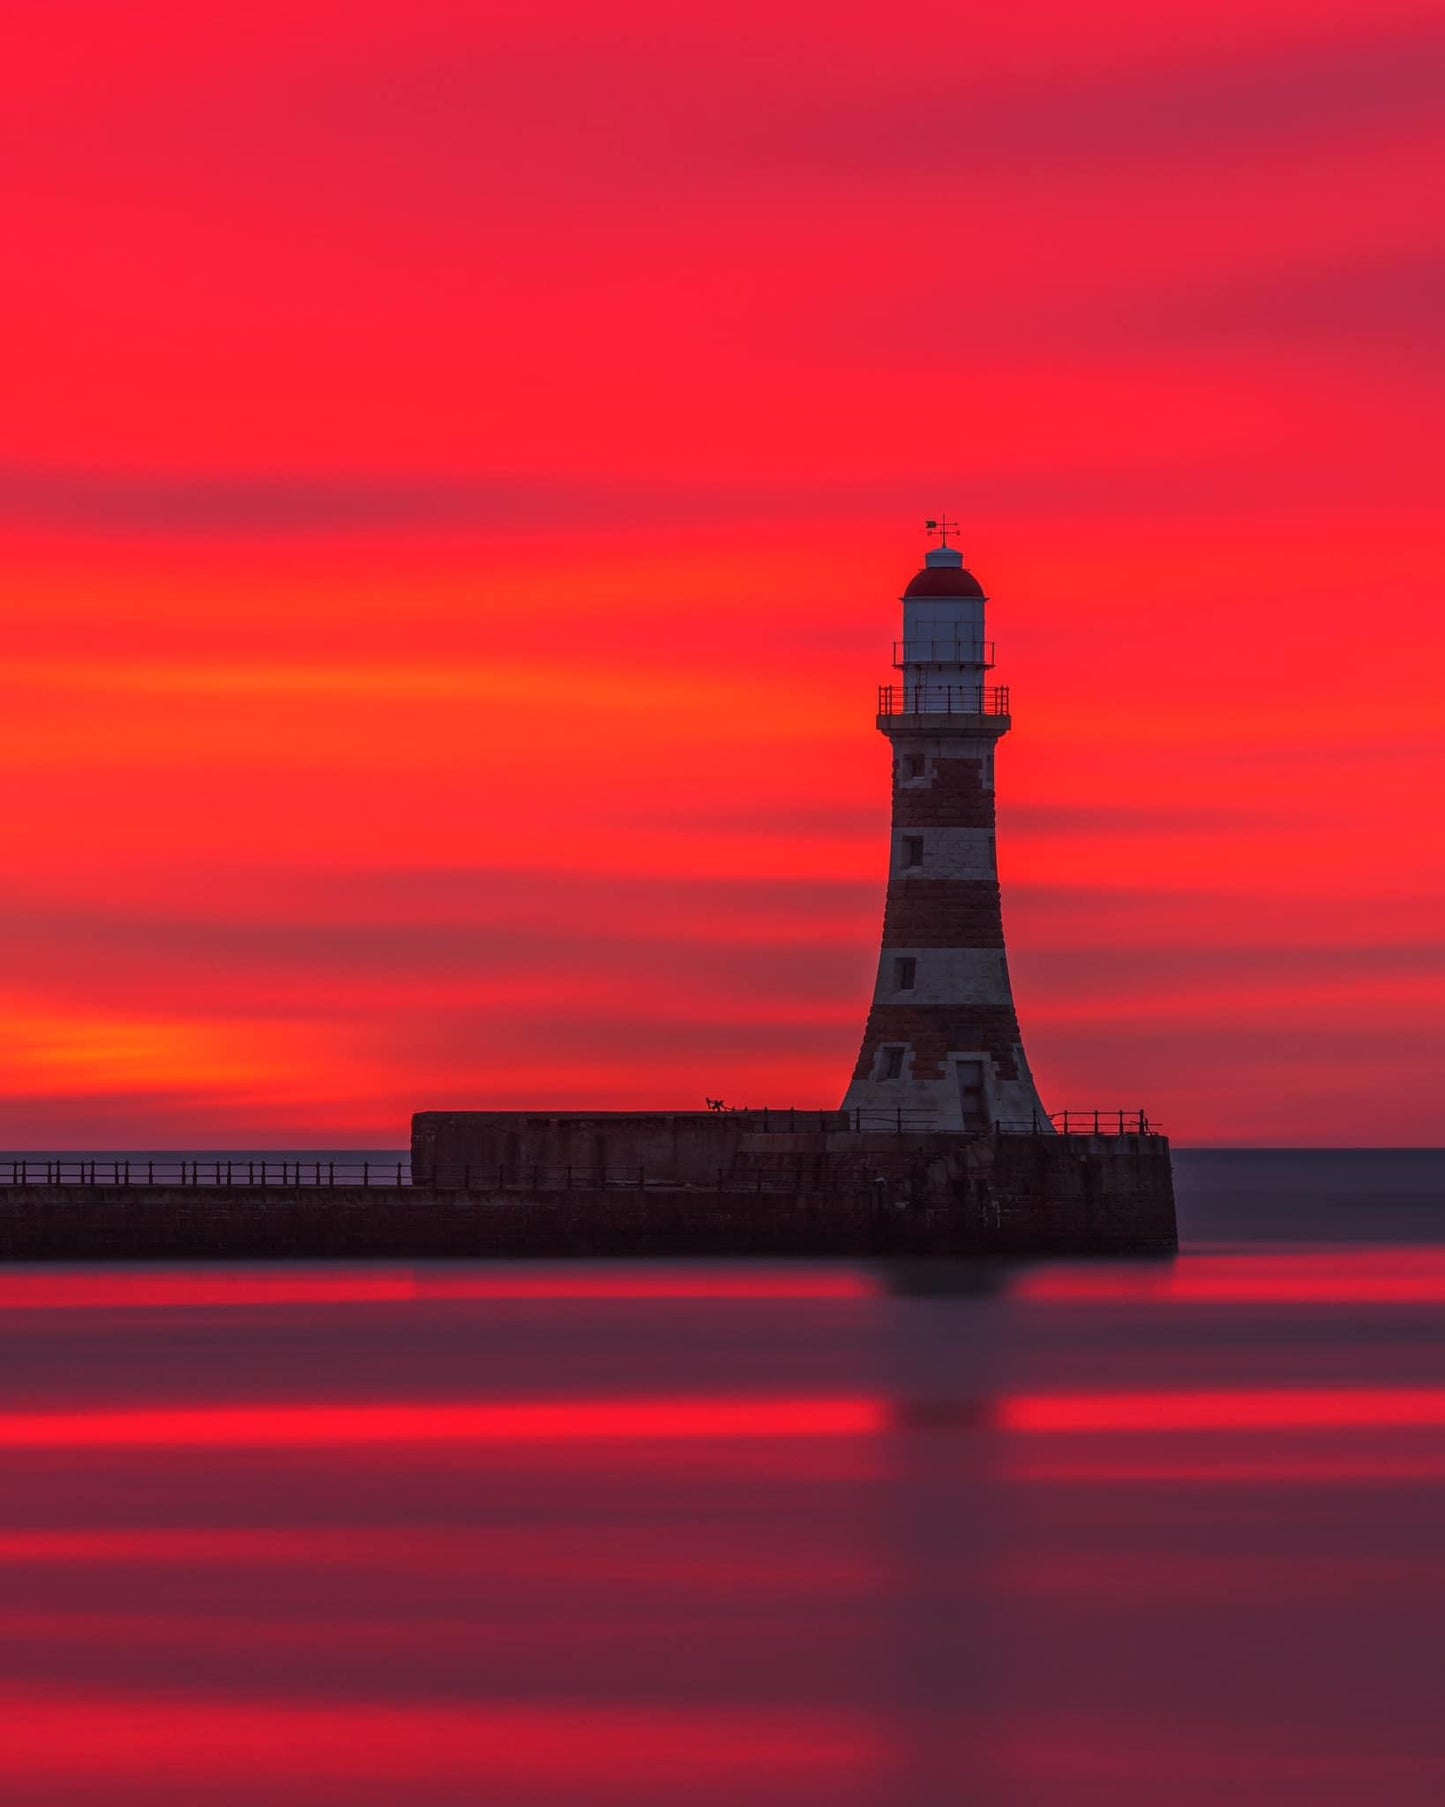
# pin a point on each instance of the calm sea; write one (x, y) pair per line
(834, 1534)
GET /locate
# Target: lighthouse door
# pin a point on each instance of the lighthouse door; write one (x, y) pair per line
(972, 1101)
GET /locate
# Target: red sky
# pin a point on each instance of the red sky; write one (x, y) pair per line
(459, 464)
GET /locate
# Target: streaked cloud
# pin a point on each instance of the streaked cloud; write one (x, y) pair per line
(459, 467)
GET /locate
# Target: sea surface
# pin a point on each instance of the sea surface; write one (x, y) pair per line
(1155, 1532)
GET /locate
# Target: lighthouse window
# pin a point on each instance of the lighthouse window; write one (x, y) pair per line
(905, 971)
(912, 765)
(890, 1063)
(913, 850)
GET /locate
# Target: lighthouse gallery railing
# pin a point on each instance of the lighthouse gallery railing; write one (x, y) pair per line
(943, 699)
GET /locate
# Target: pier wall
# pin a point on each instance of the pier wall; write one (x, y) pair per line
(720, 1190)
(795, 1197)
(677, 1147)
(1091, 1213)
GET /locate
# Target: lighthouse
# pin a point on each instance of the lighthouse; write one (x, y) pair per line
(942, 1146)
(942, 1049)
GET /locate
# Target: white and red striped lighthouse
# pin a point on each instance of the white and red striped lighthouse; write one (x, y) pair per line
(942, 1044)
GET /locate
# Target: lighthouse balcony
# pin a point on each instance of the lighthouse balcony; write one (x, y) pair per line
(943, 699)
(943, 652)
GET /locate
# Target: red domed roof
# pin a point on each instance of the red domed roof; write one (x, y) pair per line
(944, 580)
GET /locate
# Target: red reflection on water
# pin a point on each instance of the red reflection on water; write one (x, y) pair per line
(1355, 1277)
(1271, 1470)
(1233, 1409)
(120, 1740)
(641, 1285)
(184, 1544)
(587, 1561)
(151, 1290)
(1153, 1575)
(1048, 1754)
(545, 1421)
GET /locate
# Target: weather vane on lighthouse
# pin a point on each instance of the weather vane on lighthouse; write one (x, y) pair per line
(942, 527)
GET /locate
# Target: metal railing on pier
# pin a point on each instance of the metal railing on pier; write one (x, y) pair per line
(943, 699)
(88, 1170)
(1082, 1123)
(208, 1178)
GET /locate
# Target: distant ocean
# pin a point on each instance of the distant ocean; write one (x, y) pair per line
(819, 1534)
(1310, 1194)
